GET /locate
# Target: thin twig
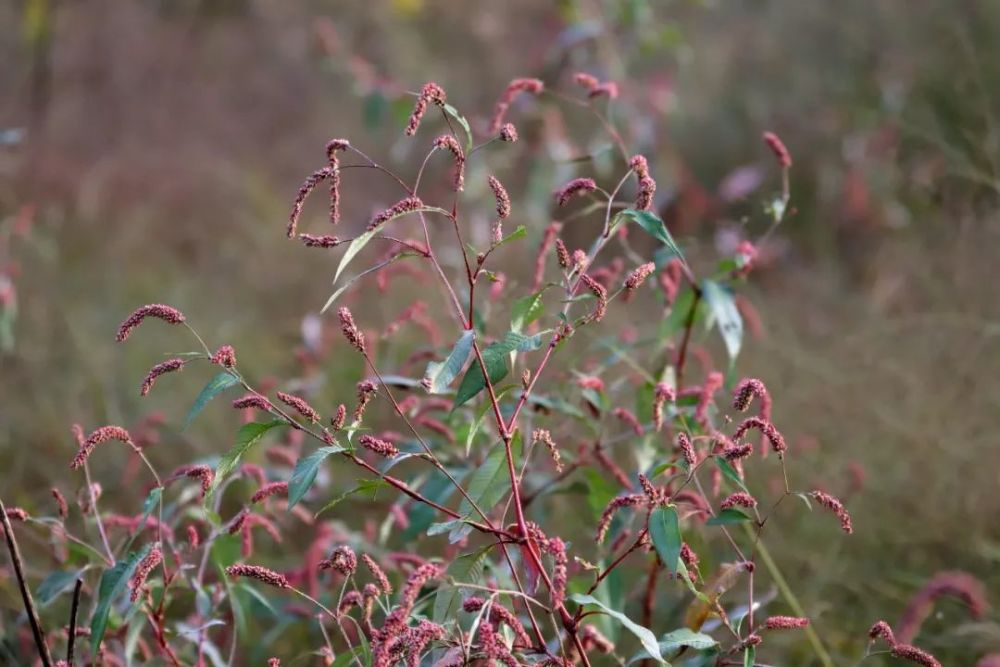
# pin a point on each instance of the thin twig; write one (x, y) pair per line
(72, 621)
(29, 603)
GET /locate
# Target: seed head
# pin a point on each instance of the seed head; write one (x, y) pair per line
(225, 356)
(449, 143)
(647, 190)
(508, 133)
(156, 371)
(60, 503)
(401, 207)
(142, 570)
(269, 490)
(785, 622)
(350, 330)
(299, 405)
(255, 401)
(687, 449)
(501, 196)
(882, 629)
(313, 241)
(305, 190)
(261, 574)
(746, 390)
(777, 147)
(638, 276)
(607, 89)
(584, 80)
(765, 427)
(380, 447)
(914, 655)
(598, 290)
(835, 506)
(168, 314)
(343, 560)
(331, 155)
(545, 437)
(960, 585)
(103, 434)
(378, 573)
(575, 187)
(514, 89)
(431, 92)
(337, 421)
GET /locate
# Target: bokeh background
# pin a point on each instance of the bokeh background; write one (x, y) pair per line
(149, 152)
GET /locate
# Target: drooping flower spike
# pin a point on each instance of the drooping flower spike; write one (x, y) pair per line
(168, 314)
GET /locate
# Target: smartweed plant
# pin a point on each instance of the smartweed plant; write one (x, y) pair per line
(521, 506)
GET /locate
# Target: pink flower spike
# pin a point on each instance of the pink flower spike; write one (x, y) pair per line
(575, 187)
(168, 314)
(101, 435)
(156, 371)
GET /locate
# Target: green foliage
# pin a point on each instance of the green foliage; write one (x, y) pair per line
(218, 384)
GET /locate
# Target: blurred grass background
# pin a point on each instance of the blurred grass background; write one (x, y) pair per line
(151, 149)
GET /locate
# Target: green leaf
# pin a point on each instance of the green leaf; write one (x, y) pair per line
(525, 311)
(488, 484)
(665, 531)
(151, 501)
(518, 233)
(440, 375)
(453, 112)
(248, 436)
(726, 517)
(359, 242)
(372, 269)
(682, 637)
(305, 472)
(749, 656)
(54, 584)
(113, 582)
(495, 359)
(655, 227)
(437, 488)
(679, 313)
(723, 312)
(730, 472)
(215, 386)
(644, 635)
(467, 569)
(686, 637)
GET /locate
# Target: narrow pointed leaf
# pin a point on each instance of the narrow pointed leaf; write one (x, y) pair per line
(722, 312)
(215, 386)
(113, 583)
(643, 634)
(248, 436)
(727, 517)
(305, 472)
(655, 227)
(441, 375)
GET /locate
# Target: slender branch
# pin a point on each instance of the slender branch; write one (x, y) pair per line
(72, 621)
(29, 603)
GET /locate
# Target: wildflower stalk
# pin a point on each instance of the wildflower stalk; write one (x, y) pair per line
(793, 602)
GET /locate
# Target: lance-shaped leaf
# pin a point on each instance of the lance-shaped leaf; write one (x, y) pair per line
(441, 375)
(305, 472)
(655, 227)
(248, 436)
(722, 312)
(665, 531)
(113, 582)
(215, 386)
(644, 635)
(359, 242)
(495, 360)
